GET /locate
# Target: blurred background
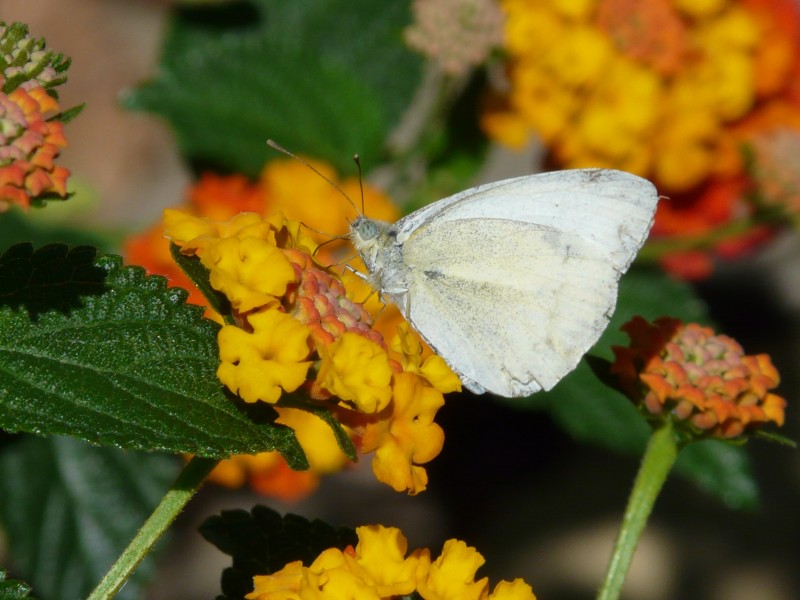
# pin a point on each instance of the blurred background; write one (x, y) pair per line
(126, 166)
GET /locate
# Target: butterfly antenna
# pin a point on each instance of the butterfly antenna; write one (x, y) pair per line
(276, 146)
(332, 239)
(357, 160)
(325, 233)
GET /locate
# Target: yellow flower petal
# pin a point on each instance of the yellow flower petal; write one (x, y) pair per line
(180, 227)
(512, 590)
(316, 438)
(452, 575)
(257, 365)
(433, 368)
(408, 437)
(381, 562)
(281, 585)
(357, 370)
(251, 272)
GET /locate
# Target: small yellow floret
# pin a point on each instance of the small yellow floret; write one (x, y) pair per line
(257, 365)
(380, 560)
(357, 370)
(452, 575)
(433, 368)
(408, 437)
(580, 56)
(251, 272)
(180, 227)
(512, 590)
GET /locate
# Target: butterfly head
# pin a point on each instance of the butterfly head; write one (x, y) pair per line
(369, 238)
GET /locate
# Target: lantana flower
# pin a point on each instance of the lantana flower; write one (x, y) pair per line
(702, 380)
(289, 187)
(380, 567)
(296, 327)
(671, 90)
(31, 134)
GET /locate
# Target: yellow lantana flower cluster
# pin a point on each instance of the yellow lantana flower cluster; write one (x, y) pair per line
(297, 327)
(648, 87)
(379, 568)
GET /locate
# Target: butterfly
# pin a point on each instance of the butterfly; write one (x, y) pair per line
(512, 282)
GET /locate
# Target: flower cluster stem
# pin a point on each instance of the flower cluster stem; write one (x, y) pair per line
(658, 459)
(186, 485)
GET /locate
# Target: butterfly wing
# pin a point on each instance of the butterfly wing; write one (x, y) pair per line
(513, 282)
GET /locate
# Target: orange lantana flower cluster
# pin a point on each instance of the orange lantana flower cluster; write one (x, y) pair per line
(31, 136)
(680, 92)
(704, 380)
(380, 568)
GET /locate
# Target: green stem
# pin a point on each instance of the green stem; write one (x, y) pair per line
(185, 486)
(657, 461)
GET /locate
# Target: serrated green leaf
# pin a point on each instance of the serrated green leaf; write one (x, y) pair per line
(119, 361)
(326, 78)
(54, 278)
(262, 542)
(13, 590)
(722, 469)
(199, 275)
(55, 496)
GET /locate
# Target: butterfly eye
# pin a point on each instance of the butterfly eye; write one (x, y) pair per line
(367, 230)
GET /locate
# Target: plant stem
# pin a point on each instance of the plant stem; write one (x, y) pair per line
(186, 485)
(660, 455)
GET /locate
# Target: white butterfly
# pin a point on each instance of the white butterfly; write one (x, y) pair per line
(512, 282)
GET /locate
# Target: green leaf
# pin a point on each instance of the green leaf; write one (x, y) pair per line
(66, 116)
(55, 501)
(262, 542)
(104, 353)
(722, 469)
(53, 278)
(327, 78)
(11, 589)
